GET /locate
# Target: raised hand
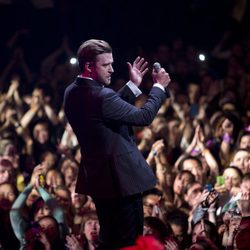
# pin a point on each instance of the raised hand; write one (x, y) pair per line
(13, 87)
(39, 169)
(137, 70)
(171, 244)
(73, 243)
(157, 147)
(244, 204)
(42, 237)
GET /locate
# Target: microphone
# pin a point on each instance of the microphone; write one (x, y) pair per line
(156, 67)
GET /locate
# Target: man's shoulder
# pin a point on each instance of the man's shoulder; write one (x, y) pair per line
(107, 91)
(70, 86)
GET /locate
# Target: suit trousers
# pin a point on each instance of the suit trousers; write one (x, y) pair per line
(121, 221)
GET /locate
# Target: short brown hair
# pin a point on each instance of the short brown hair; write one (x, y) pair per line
(88, 51)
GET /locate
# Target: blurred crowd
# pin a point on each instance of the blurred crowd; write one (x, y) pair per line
(198, 147)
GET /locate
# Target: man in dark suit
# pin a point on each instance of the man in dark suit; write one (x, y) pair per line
(112, 171)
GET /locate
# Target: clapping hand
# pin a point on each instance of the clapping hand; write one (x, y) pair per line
(244, 204)
(73, 242)
(137, 70)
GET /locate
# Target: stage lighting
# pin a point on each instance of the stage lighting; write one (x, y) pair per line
(202, 57)
(73, 60)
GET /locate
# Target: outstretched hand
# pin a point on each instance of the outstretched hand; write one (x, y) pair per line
(137, 70)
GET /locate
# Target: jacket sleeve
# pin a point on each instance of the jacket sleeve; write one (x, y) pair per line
(18, 223)
(129, 92)
(115, 109)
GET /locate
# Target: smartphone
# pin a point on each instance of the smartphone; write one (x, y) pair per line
(209, 187)
(41, 180)
(220, 180)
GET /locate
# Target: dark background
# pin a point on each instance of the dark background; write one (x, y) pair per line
(125, 24)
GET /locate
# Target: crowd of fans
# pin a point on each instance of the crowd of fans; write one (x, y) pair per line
(198, 147)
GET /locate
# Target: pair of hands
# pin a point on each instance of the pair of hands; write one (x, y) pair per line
(40, 236)
(13, 87)
(73, 242)
(37, 177)
(139, 68)
(197, 145)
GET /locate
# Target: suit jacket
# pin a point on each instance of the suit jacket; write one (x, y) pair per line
(102, 120)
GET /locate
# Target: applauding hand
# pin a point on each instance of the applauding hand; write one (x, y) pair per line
(137, 70)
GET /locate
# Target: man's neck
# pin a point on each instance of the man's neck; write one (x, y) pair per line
(86, 76)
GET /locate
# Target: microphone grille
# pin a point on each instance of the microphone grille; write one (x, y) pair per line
(156, 67)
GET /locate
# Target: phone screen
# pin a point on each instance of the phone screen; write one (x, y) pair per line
(220, 180)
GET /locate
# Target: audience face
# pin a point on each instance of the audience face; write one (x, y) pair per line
(91, 230)
(178, 232)
(198, 231)
(227, 127)
(245, 187)
(41, 133)
(49, 227)
(232, 178)
(6, 171)
(245, 141)
(70, 175)
(242, 160)
(78, 200)
(193, 194)
(41, 210)
(181, 180)
(37, 97)
(223, 126)
(11, 154)
(149, 201)
(49, 160)
(195, 168)
(7, 196)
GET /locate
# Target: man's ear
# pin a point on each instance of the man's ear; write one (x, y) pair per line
(88, 67)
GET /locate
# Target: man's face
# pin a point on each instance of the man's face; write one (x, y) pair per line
(102, 68)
